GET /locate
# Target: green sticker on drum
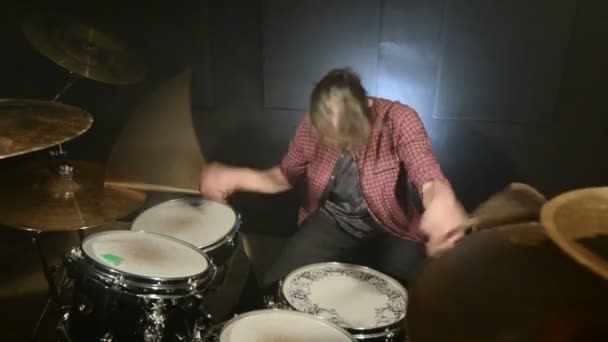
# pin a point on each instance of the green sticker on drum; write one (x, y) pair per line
(111, 258)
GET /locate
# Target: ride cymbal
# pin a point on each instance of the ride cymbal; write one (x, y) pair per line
(83, 49)
(577, 221)
(32, 125)
(510, 283)
(36, 197)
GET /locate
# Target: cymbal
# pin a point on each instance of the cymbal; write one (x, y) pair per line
(517, 203)
(31, 125)
(35, 197)
(510, 283)
(574, 219)
(83, 49)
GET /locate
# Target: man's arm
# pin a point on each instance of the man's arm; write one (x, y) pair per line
(269, 181)
(443, 212)
(219, 181)
(436, 190)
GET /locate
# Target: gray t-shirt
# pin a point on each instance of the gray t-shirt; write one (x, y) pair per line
(345, 202)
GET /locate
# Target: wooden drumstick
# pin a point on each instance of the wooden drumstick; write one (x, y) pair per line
(152, 187)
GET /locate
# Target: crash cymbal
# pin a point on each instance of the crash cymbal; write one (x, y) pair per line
(577, 221)
(83, 49)
(517, 203)
(510, 283)
(35, 197)
(31, 125)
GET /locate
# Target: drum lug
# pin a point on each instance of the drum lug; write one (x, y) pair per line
(269, 302)
(389, 337)
(119, 281)
(107, 338)
(155, 322)
(84, 309)
(192, 285)
(76, 253)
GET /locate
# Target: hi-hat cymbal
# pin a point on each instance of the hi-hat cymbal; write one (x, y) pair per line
(83, 49)
(31, 125)
(34, 197)
(578, 220)
(510, 283)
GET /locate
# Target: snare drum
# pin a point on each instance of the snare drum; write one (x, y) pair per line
(136, 286)
(211, 226)
(277, 325)
(368, 304)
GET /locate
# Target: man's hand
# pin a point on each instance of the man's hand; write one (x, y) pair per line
(218, 181)
(443, 214)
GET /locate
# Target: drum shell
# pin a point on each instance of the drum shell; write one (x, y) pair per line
(99, 310)
(82, 266)
(391, 332)
(110, 302)
(219, 251)
(214, 333)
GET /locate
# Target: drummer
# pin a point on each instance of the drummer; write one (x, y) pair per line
(356, 154)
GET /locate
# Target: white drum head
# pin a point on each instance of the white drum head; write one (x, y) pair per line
(281, 325)
(143, 254)
(196, 221)
(350, 296)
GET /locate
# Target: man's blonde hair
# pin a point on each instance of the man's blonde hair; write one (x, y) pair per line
(339, 109)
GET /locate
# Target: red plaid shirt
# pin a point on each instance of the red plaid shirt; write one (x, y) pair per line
(398, 140)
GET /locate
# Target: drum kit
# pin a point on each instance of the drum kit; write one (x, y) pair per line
(526, 273)
(59, 194)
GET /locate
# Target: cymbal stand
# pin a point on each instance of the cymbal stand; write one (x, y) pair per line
(54, 290)
(57, 163)
(72, 78)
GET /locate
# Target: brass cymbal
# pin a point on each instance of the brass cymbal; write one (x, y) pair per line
(83, 49)
(31, 125)
(35, 197)
(573, 219)
(517, 203)
(510, 283)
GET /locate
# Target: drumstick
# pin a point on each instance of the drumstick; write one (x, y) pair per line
(152, 187)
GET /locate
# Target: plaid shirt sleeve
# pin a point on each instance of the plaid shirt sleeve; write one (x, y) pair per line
(414, 148)
(296, 160)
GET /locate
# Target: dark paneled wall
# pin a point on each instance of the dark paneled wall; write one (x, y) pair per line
(508, 90)
(505, 88)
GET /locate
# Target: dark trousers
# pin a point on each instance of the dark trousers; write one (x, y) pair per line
(320, 239)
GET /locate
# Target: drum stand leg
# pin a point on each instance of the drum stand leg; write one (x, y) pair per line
(72, 78)
(53, 289)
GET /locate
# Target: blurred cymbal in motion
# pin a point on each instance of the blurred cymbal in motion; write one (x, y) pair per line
(510, 283)
(35, 197)
(83, 49)
(31, 125)
(158, 149)
(517, 203)
(578, 220)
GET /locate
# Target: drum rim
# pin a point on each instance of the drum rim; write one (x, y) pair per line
(291, 312)
(198, 200)
(135, 278)
(386, 327)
